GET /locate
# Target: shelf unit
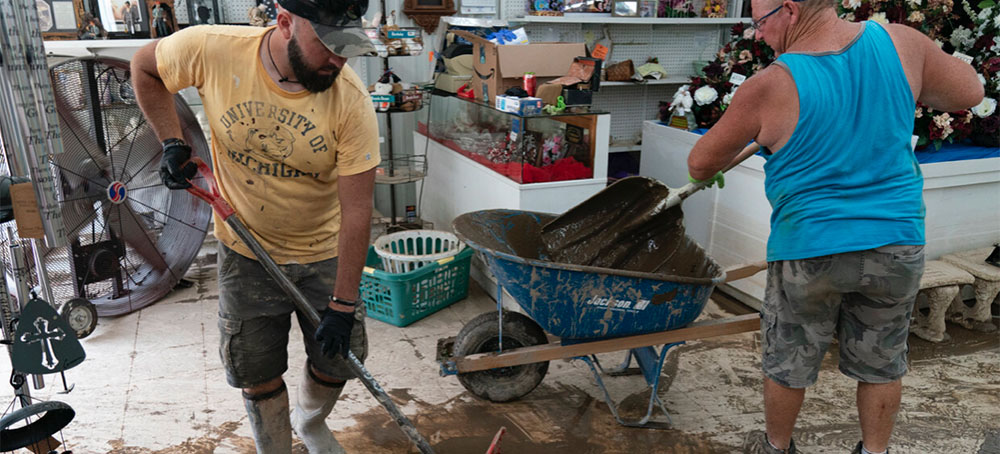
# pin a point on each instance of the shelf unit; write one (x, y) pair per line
(594, 18)
(681, 44)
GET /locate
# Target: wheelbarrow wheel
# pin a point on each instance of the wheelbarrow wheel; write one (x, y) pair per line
(481, 335)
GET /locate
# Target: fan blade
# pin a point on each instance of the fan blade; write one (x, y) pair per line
(128, 225)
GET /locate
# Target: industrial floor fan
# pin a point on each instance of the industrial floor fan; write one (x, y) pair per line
(131, 238)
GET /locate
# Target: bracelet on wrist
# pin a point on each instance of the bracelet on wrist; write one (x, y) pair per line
(342, 302)
(172, 141)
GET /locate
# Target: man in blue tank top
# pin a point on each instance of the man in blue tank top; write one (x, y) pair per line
(845, 254)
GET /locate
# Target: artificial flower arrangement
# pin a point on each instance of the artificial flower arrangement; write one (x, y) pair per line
(675, 8)
(970, 30)
(708, 95)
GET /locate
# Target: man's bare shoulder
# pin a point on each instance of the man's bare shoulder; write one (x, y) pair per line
(771, 79)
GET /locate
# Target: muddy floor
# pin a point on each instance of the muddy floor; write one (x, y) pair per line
(153, 383)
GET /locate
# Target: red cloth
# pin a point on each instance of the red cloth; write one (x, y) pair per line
(561, 170)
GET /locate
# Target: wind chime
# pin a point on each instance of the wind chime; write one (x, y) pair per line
(38, 339)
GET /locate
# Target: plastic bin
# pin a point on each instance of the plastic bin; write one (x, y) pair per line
(408, 250)
(402, 298)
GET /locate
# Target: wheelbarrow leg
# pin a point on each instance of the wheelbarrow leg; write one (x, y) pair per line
(621, 370)
(651, 364)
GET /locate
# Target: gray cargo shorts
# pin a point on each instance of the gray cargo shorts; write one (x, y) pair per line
(255, 318)
(865, 298)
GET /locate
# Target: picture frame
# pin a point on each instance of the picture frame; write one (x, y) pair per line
(625, 8)
(162, 19)
(202, 12)
(60, 19)
(427, 13)
(124, 18)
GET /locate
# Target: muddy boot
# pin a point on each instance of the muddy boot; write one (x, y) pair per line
(315, 401)
(756, 443)
(268, 414)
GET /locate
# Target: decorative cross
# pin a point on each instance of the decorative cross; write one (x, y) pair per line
(43, 336)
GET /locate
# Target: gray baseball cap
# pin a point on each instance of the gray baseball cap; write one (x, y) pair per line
(337, 24)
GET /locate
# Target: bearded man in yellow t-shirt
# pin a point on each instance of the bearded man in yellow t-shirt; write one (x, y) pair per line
(294, 148)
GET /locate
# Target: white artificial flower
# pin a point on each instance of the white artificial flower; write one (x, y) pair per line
(996, 21)
(916, 16)
(705, 95)
(961, 38)
(919, 113)
(681, 103)
(851, 4)
(985, 108)
(982, 79)
(939, 42)
(996, 44)
(849, 17)
(879, 17)
(915, 3)
(748, 33)
(985, 14)
(728, 99)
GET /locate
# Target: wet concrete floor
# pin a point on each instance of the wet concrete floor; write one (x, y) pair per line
(153, 383)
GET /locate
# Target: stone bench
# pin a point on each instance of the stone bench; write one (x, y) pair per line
(941, 284)
(986, 286)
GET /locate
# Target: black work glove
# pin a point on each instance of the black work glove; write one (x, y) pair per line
(334, 332)
(175, 167)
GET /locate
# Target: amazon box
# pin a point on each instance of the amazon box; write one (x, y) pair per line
(499, 67)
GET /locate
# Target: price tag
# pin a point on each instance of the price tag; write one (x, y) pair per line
(29, 219)
(383, 98)
(599, 51)
(962, 57)
(402, 34)
(737, 79)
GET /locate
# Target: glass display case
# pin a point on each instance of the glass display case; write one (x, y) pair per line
(536, 148)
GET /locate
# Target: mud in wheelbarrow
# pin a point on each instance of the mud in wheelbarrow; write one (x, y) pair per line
(503, 355)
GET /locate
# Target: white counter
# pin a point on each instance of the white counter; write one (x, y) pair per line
(962, 200)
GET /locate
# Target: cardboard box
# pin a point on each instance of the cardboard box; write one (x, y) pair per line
(520, 106)
(497, 68)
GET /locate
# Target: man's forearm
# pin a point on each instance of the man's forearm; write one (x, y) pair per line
(156, 102)
(354, 238)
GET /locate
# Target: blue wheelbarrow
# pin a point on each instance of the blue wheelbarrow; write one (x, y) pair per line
(502, 356)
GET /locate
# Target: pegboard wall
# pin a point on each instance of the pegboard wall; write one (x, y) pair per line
(677, 47)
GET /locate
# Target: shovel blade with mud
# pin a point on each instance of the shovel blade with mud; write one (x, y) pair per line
(635, 224)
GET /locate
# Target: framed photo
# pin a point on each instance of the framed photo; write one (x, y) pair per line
(162, 21)
(625, 8)
(203, 12)
(60, 19)
(123, 18)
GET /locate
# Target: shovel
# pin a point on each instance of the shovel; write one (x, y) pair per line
(226, 212)
(626, 226)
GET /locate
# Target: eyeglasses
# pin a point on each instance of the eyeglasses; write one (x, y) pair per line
(757, 24)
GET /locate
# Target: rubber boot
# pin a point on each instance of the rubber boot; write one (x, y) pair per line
(268, 415)
(315, 402)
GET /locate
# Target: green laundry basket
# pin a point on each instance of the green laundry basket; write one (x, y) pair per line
(403, 298)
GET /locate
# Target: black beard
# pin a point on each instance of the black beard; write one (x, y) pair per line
(306, 76)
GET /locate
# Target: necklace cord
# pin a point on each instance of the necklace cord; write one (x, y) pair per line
(281, 77)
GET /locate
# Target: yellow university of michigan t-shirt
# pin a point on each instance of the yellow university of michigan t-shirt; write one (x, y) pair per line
(276, 154)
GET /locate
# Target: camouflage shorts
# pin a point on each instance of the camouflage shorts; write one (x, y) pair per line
(865, 298)
(255, 318)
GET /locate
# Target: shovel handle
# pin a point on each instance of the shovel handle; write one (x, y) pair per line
(683, 192)
(211, 195)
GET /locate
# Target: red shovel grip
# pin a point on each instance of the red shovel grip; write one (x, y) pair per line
(212, 196)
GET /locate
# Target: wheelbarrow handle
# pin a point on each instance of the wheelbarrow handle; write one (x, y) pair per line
(212, 195)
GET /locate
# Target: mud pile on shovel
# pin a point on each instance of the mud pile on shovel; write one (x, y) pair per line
(626, 227)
